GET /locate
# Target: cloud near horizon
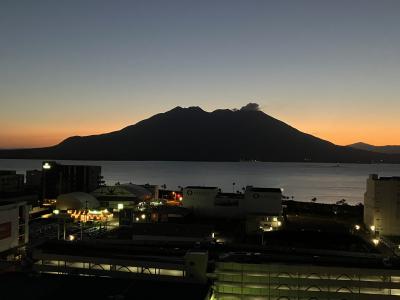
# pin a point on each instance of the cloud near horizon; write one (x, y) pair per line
(251, 107)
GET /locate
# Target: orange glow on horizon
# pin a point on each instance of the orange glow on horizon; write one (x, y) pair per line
(339, 133)
(44, 137)
(347, 133)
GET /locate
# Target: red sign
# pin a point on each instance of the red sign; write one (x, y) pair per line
(5, 230)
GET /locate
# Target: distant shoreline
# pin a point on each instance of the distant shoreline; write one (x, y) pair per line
(334, 164)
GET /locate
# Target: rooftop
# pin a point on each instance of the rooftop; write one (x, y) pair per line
(7, 172)
(112, 249)
(386, 178)
(165, 229)
(265, 190)
(395, 178)
(202, 187)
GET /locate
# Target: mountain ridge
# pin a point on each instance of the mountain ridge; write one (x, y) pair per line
(388, 149)
(192, 134)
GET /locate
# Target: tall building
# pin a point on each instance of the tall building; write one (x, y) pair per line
(62, 179)
(11, 182)
(33, 180)
(382, 205)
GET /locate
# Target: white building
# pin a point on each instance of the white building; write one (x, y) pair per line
(128, 195)
(382, 205)
(262, 207)
(76, 201)
(14, 225)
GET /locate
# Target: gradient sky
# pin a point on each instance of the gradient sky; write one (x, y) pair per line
(329, 68)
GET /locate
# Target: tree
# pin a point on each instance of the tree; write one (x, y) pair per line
(341, 202)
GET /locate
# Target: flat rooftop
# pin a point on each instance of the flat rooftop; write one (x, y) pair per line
(384, 178)
(201, 187)
(265, 190)
(320, 259)
(163, 229)
(394, 178)
(113, 250)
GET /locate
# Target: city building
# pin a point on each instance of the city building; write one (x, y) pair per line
(382, 205)
(306, 274)
(122, 259)
(121, 196)
(153, 188)
(261, 207)
(76, 201)
(62, 179)
(331, 279)
(14, 225)
(33, 180)
(11, 182)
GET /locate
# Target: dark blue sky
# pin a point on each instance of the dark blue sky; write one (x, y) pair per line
(330, 68)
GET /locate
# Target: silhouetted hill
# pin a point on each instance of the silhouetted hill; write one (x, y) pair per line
(390, 149)
(192, 134)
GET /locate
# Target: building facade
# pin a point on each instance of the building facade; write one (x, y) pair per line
(34, 180)
(122, 196)
(261, 207)
(14, 225)
(278, 281)
(382, 205)
(11, 182)
(62, 179)
(209, 201)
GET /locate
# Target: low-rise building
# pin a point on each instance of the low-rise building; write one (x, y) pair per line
(14, 228)
(122, 196)
(342, 278)
(261, 207)
(382, 205)
(122, 259)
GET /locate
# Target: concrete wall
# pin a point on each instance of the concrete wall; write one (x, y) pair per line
(276, 281)
(9, 226)
(204, 202)
(382, 205)
(200, 200)
(262, 202)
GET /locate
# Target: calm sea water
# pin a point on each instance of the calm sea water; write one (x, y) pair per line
(327, 182)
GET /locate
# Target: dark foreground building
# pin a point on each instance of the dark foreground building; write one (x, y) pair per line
(62, 179)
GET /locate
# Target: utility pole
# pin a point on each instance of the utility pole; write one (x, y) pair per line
(58, 229)
(64, 229)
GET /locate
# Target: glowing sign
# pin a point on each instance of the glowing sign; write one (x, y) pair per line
(46, 166)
